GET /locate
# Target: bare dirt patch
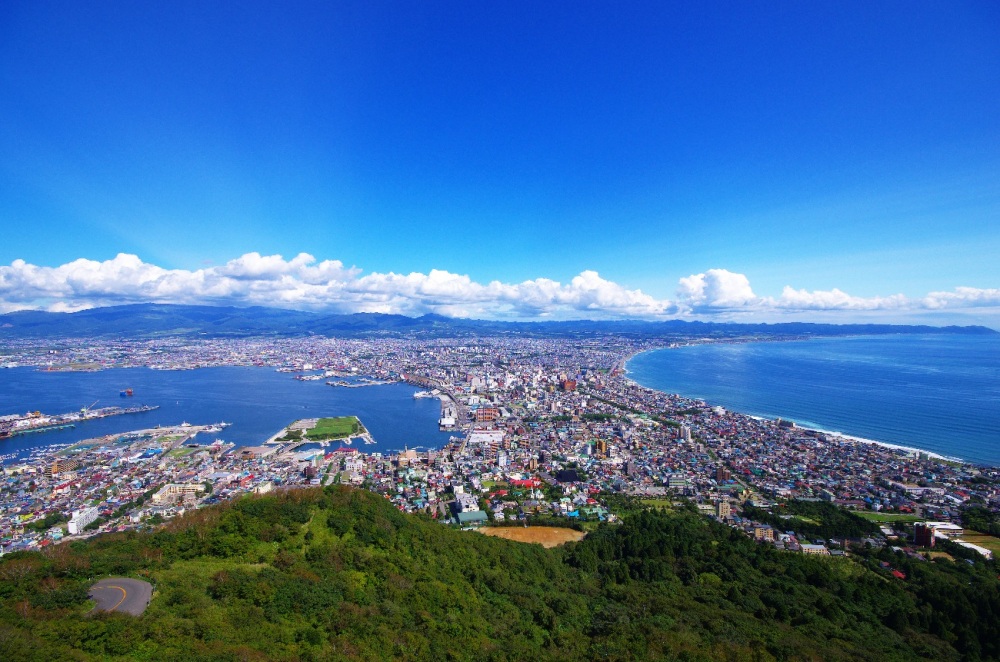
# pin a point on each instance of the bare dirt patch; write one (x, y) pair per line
(546, 536)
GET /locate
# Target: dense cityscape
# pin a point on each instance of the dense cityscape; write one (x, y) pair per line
(499, 331)
(541, 430)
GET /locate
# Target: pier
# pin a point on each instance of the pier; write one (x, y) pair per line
(13, 426)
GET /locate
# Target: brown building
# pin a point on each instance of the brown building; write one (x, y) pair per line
(923, 535)
(487, 414)
(763, 533)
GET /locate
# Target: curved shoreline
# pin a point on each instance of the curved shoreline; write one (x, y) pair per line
(843, 436)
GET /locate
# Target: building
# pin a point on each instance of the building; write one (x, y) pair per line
(472, 518)
(923, 534)
(177, 492)
(723, 509)
(81, 518)
(679, 483)
(62, 465)
(487, 414)
(976, 548)
(814, 549)
(763, 533)
(465, 503)
(946, 529)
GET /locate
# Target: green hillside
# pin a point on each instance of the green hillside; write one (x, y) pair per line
(338, 573)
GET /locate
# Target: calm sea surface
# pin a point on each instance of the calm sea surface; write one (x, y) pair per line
(937, 392)
(257, 401)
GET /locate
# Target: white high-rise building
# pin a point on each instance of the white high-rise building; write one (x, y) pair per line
(81, 518)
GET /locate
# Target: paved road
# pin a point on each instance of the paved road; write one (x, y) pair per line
(121, 594)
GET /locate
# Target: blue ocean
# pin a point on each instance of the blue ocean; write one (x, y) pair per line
(940, 393)
(257, 401)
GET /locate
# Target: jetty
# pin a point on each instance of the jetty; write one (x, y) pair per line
(16, 425)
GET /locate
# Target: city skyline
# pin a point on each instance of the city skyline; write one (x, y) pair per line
(746, 163)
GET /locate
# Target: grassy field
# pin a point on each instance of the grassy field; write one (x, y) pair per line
(941, 555)
(989, 542)
(660, 504)
(887, 517)
(803, 518)
(334, 428)
(181, 452)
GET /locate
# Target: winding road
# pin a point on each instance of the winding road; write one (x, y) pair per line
(131, 596)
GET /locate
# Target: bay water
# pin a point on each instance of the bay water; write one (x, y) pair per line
(938, 392)
(257, 401)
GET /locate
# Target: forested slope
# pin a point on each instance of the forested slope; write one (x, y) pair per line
(337, 573)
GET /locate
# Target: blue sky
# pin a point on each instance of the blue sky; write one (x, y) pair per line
(823, 147)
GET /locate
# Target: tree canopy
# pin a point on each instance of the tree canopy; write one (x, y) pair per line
(339, 573)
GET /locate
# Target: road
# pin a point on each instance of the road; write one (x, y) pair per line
(122, 594)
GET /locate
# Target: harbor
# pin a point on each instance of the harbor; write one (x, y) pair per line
(257, 401)
(14, 425)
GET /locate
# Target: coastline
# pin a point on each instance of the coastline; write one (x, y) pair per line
(841, 436)
(837, 435)
(255, 399)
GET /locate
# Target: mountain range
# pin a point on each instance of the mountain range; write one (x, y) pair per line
(152, 320)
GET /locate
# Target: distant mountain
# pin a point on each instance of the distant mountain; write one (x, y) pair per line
(155, 320)
(163, 320)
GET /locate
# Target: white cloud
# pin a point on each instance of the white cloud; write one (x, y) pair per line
(304, 283)
(962, 297)
(716, 289)
(254, 266)
(792, 299)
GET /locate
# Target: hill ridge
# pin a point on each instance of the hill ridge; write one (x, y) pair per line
(151, 320)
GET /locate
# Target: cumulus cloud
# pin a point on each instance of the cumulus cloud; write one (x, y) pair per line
(716, 289)
(960, 297)
(254, 266)
(792, 299)
(970, 297)
(305, 283)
